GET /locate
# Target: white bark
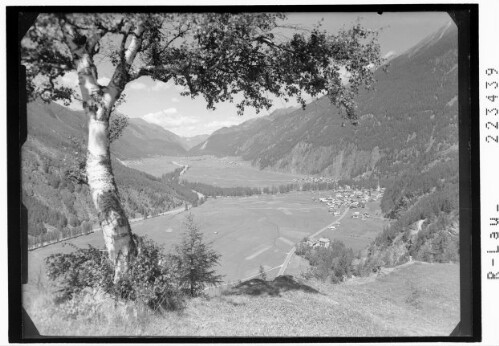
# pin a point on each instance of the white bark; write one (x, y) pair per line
(115, 227)
(97, 103)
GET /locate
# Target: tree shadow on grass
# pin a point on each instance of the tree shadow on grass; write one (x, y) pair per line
(257, 287)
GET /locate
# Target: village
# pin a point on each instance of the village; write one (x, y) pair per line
(346, 198)
(353, 199)
(315, 180)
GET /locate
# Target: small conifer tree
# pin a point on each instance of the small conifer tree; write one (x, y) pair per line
(195, 260)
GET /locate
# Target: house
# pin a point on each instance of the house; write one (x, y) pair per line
(324, 242)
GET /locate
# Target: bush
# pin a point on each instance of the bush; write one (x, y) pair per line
(333, 263)
(151, 279)
(80, 269)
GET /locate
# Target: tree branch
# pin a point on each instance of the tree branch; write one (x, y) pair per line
(121, 75)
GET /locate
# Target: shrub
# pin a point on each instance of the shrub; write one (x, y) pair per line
(80, 269)
(151, 279)
(333, 263)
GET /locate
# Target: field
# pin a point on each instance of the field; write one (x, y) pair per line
(222, 172)
(247, 231)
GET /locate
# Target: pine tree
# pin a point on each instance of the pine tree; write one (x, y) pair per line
(195, 260)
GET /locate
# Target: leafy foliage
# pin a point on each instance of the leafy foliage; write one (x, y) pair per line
(194, 50)
(117, 124)
(333, 263)
(80, 269)
(151, 279)
(195, 261)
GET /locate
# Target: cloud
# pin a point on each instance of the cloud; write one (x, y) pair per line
(344, 75)
(176, 100)
(103, 81)
(183, 125)
(70, 79)
(171, 110)
(170, 119)
(158, 86)
(137, 85)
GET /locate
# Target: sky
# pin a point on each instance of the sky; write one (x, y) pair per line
(161, 103)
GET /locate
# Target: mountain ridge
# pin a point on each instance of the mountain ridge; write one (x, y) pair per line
(60, 207)
(413, 104)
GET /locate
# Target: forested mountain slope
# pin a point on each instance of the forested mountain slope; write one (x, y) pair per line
(230, 141)
(56, 142)
(410, 119)
(142, 139)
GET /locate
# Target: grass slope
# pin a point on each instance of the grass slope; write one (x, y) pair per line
(419, 299)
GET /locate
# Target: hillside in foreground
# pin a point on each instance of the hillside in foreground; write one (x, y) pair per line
(416, 299)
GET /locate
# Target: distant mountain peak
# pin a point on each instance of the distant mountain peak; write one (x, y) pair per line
(431, 39)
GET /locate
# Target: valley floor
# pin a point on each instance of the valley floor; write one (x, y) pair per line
(216, 171)
(248, 232)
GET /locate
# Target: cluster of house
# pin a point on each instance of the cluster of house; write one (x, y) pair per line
(358, 215)
(321, 242)
(228, 162)
(311, 179)
(352, 199)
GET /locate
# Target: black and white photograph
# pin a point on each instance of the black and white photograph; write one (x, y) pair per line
(244, 172)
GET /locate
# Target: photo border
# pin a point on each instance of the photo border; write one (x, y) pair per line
(466, 17)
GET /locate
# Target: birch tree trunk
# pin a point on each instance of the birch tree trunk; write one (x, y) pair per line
(97, 104)
(114, 223)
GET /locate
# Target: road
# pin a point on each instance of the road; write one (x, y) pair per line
(292, 251)
(186, 167)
